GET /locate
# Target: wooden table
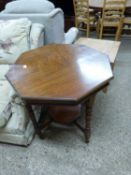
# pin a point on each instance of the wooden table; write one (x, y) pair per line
(60, 75)
(98, 5)
(107, 47)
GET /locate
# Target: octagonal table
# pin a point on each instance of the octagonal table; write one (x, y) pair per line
(60, 74)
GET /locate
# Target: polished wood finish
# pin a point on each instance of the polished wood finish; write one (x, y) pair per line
(64, 73)
(59, 75)
(64, 114)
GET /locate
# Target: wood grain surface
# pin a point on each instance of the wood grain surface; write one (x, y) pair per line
(59, 73)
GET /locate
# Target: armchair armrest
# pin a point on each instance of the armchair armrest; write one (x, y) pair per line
(71, 35)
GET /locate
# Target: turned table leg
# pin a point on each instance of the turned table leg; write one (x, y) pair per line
(88, 112)
(34, 121)
(86, 129)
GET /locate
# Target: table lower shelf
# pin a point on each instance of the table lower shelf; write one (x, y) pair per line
(65, 115)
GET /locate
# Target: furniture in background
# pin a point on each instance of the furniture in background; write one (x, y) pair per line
(98, 4)
(15, 129)
(66, 77)
(107, 47)
(67, 7)
(84, 16)
(112, 16)
(127, 23)
(45, 13)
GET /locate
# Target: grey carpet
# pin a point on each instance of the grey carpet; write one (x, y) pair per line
(63, 151)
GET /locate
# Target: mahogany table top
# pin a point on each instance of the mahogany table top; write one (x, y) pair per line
(59, 73)
(99, 3)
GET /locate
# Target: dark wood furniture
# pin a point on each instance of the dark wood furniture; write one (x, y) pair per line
(60, 75)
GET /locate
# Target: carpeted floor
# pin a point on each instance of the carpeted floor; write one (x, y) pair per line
(63, 151)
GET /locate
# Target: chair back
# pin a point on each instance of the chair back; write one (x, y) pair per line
(81, 8)
(113, 10)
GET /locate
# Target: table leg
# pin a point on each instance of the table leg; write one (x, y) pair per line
(34, 121)
(43, 112)
(87, 116)
(88, 112)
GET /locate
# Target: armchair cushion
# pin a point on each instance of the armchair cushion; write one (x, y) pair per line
(14, 39)
(43, 6)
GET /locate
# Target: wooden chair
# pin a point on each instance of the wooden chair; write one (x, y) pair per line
(127, 22)
(112, 16)
(84, 16)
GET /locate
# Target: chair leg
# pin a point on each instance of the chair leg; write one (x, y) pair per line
(76, 23)
(118, 33)
(98, 29)
(88, 30)
(119, 30)
(117, 37)
(101, 32)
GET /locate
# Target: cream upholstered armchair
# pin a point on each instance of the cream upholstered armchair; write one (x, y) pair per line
(16, 37)
(45, 25)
